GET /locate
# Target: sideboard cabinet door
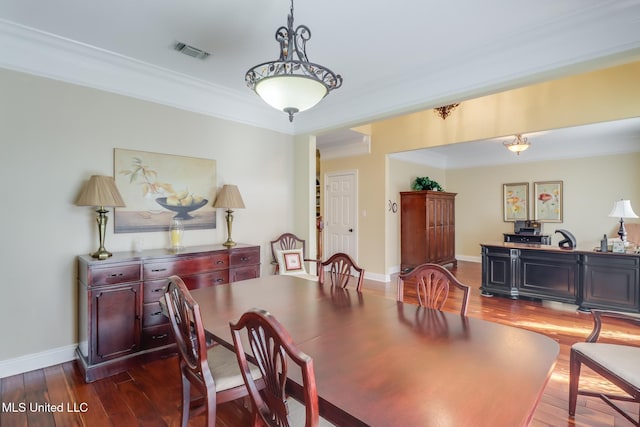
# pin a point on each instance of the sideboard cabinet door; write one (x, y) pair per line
(116, 316)
(611, 282)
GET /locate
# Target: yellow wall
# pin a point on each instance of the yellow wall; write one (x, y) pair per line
(593, 97)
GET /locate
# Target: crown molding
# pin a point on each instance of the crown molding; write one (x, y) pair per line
(46, 55)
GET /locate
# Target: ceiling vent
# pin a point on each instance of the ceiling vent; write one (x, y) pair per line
(191, 51)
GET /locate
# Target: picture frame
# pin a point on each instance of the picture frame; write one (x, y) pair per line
(617, 247)
(515, 201)
(158, 187)
(548, 197)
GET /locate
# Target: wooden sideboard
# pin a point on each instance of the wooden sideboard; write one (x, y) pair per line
(120, 321)
(586, 278)
(427, 228)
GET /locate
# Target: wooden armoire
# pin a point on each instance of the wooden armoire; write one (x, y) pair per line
(427, 228)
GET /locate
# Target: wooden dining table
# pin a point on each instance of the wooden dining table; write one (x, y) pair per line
(379, 362)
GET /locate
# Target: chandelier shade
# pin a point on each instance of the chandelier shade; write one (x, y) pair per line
(291, 83)
(518, 145)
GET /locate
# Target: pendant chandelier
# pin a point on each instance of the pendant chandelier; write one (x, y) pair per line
(518, 145)
(292, 83)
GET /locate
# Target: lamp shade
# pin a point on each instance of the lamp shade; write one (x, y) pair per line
(290, 92)
(229, 197)
(100, 191)
(622, 209)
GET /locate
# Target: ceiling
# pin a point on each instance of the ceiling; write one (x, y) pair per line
(608, 138)
(395, 57)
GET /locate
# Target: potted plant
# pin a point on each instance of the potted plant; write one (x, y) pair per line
(424, 183)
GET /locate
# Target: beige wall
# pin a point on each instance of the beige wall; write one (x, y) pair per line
(54, 136)
(598, 96)
(589, 195)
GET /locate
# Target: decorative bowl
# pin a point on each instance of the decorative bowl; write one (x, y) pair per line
(182, 211)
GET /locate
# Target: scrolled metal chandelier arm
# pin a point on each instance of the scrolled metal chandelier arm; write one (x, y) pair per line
(293, 62)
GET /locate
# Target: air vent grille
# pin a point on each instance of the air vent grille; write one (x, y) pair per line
(191, 51)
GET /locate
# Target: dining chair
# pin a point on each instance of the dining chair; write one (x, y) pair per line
(290, 243)
(214, 372)
(271, 346)
(615, 361)
(432, 285)
(341, 267)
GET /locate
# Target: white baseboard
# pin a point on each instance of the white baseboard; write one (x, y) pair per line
(34, 361)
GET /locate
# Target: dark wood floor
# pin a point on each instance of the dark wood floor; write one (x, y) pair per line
(149, 395)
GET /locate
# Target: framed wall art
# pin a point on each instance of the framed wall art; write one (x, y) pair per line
(515, 198)
(159, 187)
(548, 201)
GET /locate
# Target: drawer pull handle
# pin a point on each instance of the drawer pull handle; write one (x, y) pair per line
(219, 262)
(159, 337)
(117, 275)
(244, 258)
(219, 280)
(156, 313)
(157, 270)
(158, 290)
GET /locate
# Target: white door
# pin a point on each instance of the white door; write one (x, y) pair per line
(340, 214)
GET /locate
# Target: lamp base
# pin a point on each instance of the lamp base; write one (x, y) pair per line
(229, 243)
(622, 232)
(101, 254)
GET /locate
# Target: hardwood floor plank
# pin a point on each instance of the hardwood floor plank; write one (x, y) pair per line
(85, 394)
(58, 392)
(38, 413)
(13, 395)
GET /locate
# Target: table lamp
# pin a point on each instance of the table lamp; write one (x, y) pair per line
(622, 209)
(229, 197)
(100, 191)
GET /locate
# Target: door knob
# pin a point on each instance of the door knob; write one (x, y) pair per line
(351, 230)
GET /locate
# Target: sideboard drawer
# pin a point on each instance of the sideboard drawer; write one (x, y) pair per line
(114, 274)
(243, 257)
(152, 315)
(186, 266)
(154, 289)
(157, 336)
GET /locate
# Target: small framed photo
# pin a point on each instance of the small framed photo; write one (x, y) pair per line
(617, 247)
(547, 196)
(515, 198)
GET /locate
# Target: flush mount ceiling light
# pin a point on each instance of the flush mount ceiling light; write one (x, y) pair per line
(518, 145)
(292, 83)
(445, 110)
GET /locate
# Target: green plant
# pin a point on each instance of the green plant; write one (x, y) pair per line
(424, 183)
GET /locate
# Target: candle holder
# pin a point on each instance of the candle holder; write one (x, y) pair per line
(176, 233)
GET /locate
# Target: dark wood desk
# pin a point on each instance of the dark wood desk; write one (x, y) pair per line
(383, 363)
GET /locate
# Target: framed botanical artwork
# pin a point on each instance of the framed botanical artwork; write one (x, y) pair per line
(515, 198)
(547, 197)
(159, 187)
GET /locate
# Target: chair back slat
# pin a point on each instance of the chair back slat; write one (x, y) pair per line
(272, 347)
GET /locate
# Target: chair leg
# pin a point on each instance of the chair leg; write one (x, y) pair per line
(211, 409)
(574, 381)
(186, 401)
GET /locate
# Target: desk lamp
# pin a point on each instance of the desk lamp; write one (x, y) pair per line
(622, 209)
(100, 191)
(229, 197)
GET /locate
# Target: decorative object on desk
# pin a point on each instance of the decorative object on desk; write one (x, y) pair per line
(604, 244)
(445, 110)
(622, 209)
(518, 145)
(229, 197)
(176, 232)
(158, 187)
(100, 191)
(618, 247)
(424, 183)
(548, 201)
(515, 198)
(291, 83)
(569, 241)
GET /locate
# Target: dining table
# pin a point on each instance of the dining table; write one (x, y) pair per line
(381, 362)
